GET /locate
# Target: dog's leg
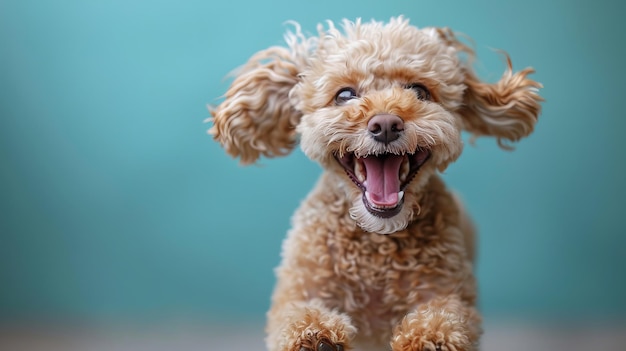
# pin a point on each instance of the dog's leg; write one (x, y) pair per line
(443, 324)
(308, 326)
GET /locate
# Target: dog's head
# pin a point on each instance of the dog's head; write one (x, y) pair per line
(381, 105)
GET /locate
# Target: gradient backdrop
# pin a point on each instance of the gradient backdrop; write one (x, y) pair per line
(116, 206)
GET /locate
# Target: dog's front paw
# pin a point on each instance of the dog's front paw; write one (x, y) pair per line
(427, 344)
(431, 341)
(309, 326)
(321, 344)
(442, 325)
(325, 334)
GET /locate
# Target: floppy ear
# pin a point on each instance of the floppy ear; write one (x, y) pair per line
(507, 109)
(256, 117)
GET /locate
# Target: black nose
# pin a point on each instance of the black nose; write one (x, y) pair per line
(385, 128)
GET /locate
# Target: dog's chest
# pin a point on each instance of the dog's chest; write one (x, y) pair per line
(377, 279)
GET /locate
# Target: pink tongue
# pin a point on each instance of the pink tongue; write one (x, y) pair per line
(382, 179)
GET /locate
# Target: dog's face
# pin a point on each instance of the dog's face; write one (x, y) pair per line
(380, 105)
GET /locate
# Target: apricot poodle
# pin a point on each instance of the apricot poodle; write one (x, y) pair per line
(380, 255)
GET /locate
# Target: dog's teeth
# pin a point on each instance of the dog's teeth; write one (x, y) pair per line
(358, 171)
(400, 195)
(368, 196)
(404, 169)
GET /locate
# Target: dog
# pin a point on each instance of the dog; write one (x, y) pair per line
(380, 254)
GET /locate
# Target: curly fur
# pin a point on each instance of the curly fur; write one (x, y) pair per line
(351, 277)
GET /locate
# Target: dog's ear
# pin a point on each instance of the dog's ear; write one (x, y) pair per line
(507, 109)
(256, 117)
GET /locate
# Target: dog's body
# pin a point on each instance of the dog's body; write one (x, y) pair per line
(381, 253)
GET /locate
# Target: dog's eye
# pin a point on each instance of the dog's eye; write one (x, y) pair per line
(421, 91)
(345, 94)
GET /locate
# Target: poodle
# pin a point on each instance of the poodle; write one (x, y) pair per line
(380, 254)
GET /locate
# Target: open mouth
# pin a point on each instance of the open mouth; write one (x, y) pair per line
(383, 178)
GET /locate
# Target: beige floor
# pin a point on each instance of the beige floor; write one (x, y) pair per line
(501, 336)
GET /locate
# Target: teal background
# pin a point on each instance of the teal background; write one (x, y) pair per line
(116, 205)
